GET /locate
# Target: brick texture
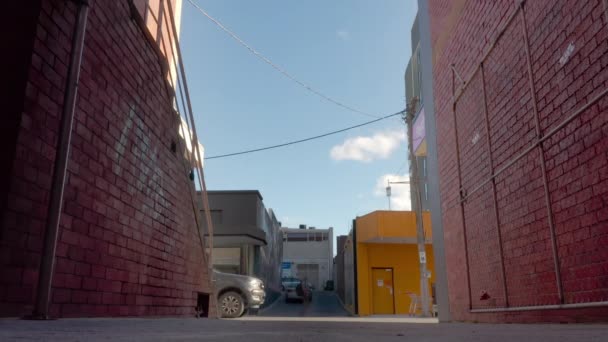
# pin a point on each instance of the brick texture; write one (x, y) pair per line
(128, 242)
(568, 49)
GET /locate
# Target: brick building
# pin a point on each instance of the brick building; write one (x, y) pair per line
(521, 110)
(128, 242)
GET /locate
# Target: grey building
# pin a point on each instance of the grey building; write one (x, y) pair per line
(414, 96)
(419, 96)
(246, 236)
(339, 267)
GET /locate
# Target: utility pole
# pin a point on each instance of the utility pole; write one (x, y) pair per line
(417, 208)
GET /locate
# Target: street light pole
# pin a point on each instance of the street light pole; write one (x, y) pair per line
(417, 208)
(388, 190)
(388, 194)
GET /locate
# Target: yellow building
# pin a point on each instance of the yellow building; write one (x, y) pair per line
(386, 261)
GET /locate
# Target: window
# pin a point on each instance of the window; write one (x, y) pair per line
(297, 237)
(424, 171)
(419, 69)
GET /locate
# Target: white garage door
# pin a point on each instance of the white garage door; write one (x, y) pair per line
(310, 273)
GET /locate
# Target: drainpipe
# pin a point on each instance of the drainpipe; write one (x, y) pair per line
(355, 267)
(47, 266)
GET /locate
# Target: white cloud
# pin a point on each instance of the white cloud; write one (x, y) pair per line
(343, 34)
(366, 149)
(400, 193)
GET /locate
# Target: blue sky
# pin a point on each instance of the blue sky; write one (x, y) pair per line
(354, 51)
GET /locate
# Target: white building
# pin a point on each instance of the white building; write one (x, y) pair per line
(308, 254)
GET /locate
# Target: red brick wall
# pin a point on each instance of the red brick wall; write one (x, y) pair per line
(565, 79)
(128, 242)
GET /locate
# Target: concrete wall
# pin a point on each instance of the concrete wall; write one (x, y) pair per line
(238, 208)
(350, 283)
(128, 243)
(339, 271)
(271, 255)
(508, 222)
(386, 229)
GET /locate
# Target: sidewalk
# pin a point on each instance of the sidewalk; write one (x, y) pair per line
(351, 319)
(301, 329)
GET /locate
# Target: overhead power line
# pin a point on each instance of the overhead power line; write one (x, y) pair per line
(306, 139)
(276, 67)
(401, 167)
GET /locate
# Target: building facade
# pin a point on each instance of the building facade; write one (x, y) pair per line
(384, 276)
(339, 273)
(521, 110)
(247, 238)
(414, 98)
(127, 243)
(350, 273)
(308, 254)
(419, 99)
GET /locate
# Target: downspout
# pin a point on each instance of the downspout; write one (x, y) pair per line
(47, 265)
(355, 266)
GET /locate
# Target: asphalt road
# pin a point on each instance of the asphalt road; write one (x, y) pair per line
(324, 304)
(191, 329)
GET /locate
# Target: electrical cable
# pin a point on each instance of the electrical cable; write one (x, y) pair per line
(401, 167)
(276, 67)
(305, 139)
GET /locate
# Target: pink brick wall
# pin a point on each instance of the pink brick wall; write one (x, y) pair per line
(128, 242)
(568, 44)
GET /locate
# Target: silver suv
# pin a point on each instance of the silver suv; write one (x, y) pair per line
(237, 294)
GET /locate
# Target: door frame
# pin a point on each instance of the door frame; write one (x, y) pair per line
(392, 281)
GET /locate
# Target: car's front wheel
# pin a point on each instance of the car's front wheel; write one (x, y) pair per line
(231, 305)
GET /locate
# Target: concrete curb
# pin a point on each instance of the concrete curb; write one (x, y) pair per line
(326, 319)
(273, 304)
(344, 306)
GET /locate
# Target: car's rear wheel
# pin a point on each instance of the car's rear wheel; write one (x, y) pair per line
(231, 305)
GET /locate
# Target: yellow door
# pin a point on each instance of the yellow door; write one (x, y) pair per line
(382, 290)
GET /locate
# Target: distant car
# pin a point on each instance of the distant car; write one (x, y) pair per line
(237, 294)
(296, 289)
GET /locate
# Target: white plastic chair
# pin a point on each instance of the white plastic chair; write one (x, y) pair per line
(415, 302)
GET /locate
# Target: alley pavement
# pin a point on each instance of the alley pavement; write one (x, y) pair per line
(322, 320)
(323, 304)
(191, 329)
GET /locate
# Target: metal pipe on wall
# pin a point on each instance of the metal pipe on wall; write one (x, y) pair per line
(501, 31)
(195, 141)
(494, 196)
(544, 307)
(541, 157)
(176, 83)
(461, 195)
(534, 144)
(47, 265)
